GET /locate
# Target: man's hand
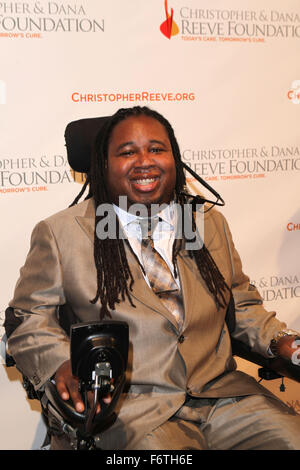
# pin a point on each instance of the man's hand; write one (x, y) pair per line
(67, 386)
(288, 347)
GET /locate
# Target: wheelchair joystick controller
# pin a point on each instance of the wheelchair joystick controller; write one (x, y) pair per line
(99, 353)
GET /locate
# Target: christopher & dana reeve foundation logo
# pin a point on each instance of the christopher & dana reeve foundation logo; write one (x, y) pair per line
(229, 25)
(21, 20)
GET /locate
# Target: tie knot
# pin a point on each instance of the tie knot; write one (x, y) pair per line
(148, 226)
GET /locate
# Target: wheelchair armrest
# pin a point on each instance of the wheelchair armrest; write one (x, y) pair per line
(280, 366)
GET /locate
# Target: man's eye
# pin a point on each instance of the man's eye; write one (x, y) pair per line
(127, 153)
(156, 150)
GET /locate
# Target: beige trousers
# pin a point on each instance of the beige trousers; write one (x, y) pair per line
(255, 422)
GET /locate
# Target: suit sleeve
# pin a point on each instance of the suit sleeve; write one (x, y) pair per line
(39, 345)
(255, 326)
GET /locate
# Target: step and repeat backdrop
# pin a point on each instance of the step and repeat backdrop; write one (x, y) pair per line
(227, 76)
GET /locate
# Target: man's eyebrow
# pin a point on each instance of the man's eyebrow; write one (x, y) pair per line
(130, 142)
(155, 141)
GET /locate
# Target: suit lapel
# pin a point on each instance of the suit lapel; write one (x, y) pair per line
(87, 221)
(142, 292)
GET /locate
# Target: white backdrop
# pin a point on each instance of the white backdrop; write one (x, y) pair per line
(227, 78)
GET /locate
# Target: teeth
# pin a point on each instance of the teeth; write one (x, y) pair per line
(145, 181)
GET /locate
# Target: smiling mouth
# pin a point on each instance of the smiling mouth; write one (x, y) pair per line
(145, 181)
(146, 184)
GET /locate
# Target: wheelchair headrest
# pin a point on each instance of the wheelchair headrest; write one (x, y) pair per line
(80, 136)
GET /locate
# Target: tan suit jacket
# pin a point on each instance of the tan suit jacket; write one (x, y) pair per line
(60, 269)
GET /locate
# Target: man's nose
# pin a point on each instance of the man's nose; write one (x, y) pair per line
(145, 158)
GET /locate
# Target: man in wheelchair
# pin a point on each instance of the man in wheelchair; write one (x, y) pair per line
(140, 251)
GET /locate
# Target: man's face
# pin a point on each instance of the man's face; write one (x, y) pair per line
(140, 163)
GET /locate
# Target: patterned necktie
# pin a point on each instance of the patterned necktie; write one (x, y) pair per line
(159, 275)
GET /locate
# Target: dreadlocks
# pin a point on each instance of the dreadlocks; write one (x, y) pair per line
(114, 278)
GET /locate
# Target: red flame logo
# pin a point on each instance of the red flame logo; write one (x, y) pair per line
(169, 27)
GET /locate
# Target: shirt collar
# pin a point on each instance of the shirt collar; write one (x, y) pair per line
(167, 214)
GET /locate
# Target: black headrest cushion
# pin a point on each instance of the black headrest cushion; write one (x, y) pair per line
(80, 136)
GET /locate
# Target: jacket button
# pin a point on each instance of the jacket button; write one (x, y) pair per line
(181, 339)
